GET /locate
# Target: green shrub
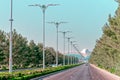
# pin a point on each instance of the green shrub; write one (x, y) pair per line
(28, 74)
(4, 67)
(15, 67)
(112, 70)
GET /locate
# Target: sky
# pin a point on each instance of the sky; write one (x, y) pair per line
(85, 18)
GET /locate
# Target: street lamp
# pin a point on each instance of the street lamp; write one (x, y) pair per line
(64, 33)
(44, 7)
(71, 49)
(57, 25)
(10, 47)
(68, 48)
(74, 45)
(74, 60)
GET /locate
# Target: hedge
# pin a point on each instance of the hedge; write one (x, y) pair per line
(29, 74)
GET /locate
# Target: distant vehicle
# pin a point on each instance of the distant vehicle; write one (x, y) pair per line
(86, 64)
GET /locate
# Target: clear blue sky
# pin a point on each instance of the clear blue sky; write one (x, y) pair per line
(85, 19)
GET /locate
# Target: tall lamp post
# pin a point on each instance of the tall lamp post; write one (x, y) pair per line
(44, 7)
(64, 33)
(71, 50)
(68, 48)
(76, 59)
(10, 47)
(57, 25)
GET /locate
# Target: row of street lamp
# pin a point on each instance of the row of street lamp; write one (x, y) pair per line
(57, 26)
(43, 7)
(64, 36)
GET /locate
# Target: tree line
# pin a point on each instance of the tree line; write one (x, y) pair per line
(25, 53)
(106, 53)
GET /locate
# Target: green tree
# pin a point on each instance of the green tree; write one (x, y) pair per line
(2, 46)
(25, 54)
(35, 54)
(19, 49)
(106, 53)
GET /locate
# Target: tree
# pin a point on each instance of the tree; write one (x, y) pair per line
(25, 54)
(106, 53)
(19, 49)
(2, 46)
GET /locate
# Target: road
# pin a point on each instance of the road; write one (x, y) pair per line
(82, 72)
(78, 73)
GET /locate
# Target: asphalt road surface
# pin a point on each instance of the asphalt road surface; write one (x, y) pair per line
(82, 72)
(78, 73)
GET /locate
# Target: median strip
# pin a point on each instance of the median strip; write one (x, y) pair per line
(29, 74)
